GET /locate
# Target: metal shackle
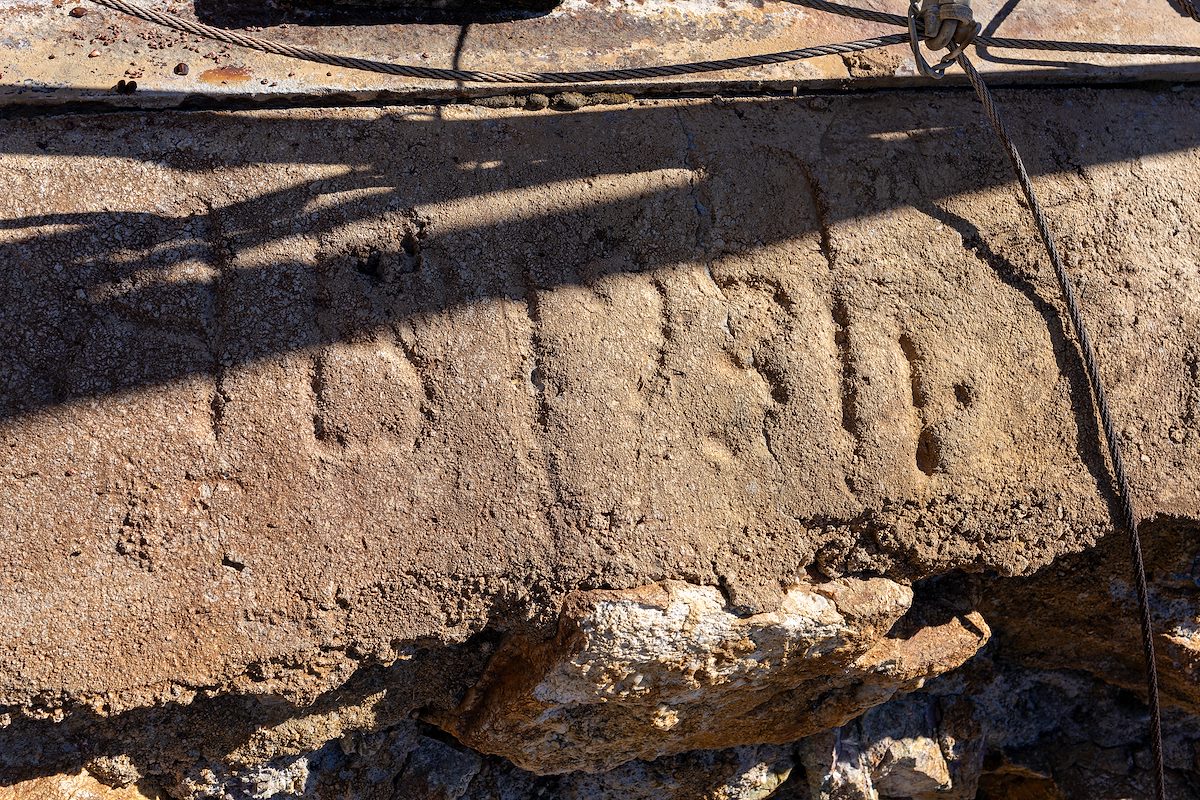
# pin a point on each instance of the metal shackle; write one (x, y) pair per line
(944, 24)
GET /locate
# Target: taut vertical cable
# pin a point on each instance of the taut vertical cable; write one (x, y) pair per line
(1128, 514)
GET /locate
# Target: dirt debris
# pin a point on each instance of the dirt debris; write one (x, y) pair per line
(564, 101)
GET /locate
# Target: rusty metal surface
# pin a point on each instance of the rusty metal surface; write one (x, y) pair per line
(55, 51)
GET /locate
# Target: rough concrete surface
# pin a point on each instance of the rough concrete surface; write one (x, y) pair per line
(330, 433)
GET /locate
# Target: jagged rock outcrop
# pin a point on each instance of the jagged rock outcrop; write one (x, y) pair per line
(897, 750)
(670, 668)
(1082, 613)
(1003, 731)
(992, 730)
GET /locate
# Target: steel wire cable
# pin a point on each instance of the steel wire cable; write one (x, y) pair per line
(177, 23)
(1111, 440)
(870, 15)
(174, 22)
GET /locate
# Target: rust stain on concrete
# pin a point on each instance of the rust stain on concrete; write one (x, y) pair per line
(225, 75)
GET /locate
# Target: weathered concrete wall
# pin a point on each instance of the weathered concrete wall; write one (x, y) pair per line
(309, 414)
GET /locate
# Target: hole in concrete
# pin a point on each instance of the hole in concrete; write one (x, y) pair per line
(411, 246)
(370, 264)
(909, 348)
(964, 393)
(233, 561)
(929, 452)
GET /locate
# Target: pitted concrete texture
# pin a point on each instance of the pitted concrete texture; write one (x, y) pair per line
(289, 394)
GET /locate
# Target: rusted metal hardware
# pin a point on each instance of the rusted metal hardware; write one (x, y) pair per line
(945, 25)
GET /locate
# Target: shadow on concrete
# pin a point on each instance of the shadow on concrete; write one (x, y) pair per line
(74, 280)
(174, 741)
(992, 28)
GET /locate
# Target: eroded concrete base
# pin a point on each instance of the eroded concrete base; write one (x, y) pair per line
(308, 414)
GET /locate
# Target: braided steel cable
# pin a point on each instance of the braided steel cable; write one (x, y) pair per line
(1090, 47)
(867, 14)
(177, 23)
(1128, 514)
(870, 15)
(1190, 8)
(168, 20)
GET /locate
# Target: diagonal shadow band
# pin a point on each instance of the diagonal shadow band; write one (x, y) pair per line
(73, 274)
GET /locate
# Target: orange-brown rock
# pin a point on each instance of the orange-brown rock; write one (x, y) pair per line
(671, 667)
(81, 786)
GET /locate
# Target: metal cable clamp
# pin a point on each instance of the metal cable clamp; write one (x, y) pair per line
(941, 24)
